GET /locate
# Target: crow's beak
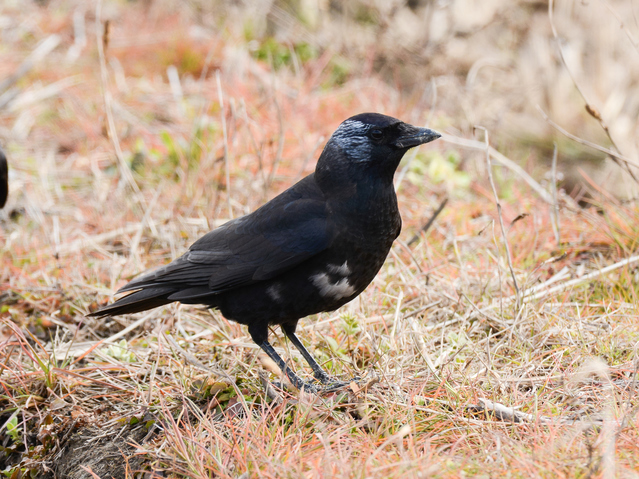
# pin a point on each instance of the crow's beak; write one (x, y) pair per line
(413, 136)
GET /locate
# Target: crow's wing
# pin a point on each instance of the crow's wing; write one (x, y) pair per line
(281, 234)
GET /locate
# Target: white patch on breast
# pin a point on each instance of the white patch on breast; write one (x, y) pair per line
(275, 292)
(339, 290)
(343, 270)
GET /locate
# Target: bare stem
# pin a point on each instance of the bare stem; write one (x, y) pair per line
(501, 219)
(102, 41)
(594, 112)
(555, 207)
(226, 143)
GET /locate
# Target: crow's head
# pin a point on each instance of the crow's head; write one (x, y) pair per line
(370, 144)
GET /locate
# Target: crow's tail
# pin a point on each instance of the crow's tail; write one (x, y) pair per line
(141, 300)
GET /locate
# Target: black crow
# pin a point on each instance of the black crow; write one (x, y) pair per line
(312, 248)
(4, 179)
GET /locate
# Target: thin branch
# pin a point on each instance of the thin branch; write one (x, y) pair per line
(226, 143)
(23, 100)
(280, 142)
(622, 25)
(45, 47)
(613, 154)
(534, 293)
(93, 241)
(258, 151)
(501, 219)
(505, 413)
(584, 279)
(102, 41)
(594, 112)
(429, 223)
(193, 361)
(133, 249)
(555, 208)
(503, 160)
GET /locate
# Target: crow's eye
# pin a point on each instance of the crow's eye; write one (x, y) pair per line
(376, 134)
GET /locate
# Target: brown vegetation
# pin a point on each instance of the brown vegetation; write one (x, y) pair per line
(134, 128)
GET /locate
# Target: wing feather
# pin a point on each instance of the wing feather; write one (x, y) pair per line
(281, 234)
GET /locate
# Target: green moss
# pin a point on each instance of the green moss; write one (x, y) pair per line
(281, 54)
(439, 169)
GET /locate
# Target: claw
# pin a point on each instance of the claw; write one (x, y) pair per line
(322, 377)
(335, 386)
(306, 387)
(328, 386)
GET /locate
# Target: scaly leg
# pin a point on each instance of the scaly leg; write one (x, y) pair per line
(321, 375)
(294, 378)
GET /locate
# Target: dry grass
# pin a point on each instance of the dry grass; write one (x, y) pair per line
(177, 392)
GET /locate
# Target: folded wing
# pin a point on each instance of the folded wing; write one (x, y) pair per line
(283, 233)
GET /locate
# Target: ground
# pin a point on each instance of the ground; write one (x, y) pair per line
(501, 340)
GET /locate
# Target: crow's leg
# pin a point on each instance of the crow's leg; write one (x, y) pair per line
(322, 376)
(329, 384)
(294, 378)
(318, 372)
(259, 334)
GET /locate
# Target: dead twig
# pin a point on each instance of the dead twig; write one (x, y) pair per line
(504, 413)
(555, 207)
(502, 160)
(102, 35)
(577, 281)
(613, 154)
(45, 47)
(501, 219)
(280, 143)
(429, 223)
(193, 361)
(36, 95)
(80, 244)
(227, 170)
(531, 294)
(594, 112)
(81, 350)
(217, 371)
(270, 391)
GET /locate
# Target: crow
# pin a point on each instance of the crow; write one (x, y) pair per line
(313, 248)
(4, 179)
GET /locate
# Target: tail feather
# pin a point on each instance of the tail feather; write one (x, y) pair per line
(197, 295)
(138, 301)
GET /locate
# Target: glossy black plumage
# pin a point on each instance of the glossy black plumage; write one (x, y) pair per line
(312, 248)
(4, 179)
